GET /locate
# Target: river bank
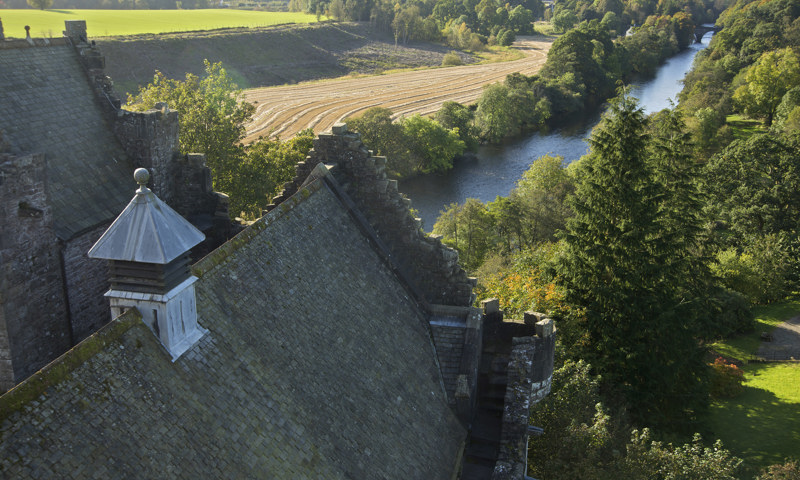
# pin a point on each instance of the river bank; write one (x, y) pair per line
(495, 169)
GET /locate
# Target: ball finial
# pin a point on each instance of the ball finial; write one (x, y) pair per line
(142, 176)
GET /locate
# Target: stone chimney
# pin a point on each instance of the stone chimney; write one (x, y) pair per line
(75, 31)
(147, 247)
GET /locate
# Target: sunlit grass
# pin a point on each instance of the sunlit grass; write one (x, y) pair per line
(743, 127)
(543, 27)
(744, 347)
(50, 23)
(762, 425)
(498, 54)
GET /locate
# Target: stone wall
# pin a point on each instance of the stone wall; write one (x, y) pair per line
(94, 64)
(430, 266)
(34, 322)
(151, 139)
(449, 341)
(86, 283)
(58, 202)
(530, 374)
(193, 196)
(317, 364)
(182, 181)
(457, 334)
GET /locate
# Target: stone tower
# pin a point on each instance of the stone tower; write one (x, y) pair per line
(147, 247)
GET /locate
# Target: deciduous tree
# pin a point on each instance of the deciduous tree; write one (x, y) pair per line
(467, 228)
(767, 81)
(494, 113)
(433, 146)
(384, 137)
(41, 4)
(212, 117)
(455, 115)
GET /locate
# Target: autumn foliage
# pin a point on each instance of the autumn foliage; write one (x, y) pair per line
(726, 379)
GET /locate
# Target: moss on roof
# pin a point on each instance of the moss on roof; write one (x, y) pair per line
(317, 364)
(60, 368)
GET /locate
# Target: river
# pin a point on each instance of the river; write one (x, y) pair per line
(495, 169)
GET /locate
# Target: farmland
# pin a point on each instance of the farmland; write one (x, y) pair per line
(285, 110)
(104, 23)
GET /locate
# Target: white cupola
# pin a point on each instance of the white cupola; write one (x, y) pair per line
(148, 247)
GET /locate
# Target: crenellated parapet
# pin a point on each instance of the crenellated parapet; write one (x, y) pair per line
(182, 181)
(530, 375)
(431, 266)
(94, 64)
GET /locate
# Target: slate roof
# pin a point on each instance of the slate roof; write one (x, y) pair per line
(46, 105)
(317, 364)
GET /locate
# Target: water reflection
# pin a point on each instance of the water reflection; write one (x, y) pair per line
(497, 167)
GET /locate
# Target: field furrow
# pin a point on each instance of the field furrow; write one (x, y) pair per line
(285, 110)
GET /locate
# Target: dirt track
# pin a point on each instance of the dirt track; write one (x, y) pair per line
(283, 111)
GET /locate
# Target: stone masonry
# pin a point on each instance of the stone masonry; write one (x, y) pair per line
(530, 374)
(429, 265)
(58, 108)
(33, 327)
(85, 281)
(317, 364)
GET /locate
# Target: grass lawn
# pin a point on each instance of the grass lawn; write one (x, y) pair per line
(545, 28)
(743, 127)
(762, 425)
(103, 23)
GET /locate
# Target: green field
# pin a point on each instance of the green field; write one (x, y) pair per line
(104, 23)
(762, 425)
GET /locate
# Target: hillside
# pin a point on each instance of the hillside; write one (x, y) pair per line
(264, 57)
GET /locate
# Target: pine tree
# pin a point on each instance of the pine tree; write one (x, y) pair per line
(625, 266)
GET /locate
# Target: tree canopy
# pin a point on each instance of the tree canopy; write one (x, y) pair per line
(627, 272)
(40, 4)
(767, 81)
(212, 115)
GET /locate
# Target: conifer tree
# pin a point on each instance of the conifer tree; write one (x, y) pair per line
(625, 267)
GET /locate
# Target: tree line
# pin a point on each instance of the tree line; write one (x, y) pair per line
(650, 247)
(581, 71)
(110, 4)
(627, 250)
(653, 245)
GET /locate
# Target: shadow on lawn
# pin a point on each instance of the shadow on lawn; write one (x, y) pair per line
(759, 427)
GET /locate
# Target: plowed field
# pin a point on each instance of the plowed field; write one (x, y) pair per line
(285, 110)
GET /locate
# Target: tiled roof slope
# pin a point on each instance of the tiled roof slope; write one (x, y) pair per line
(316, 365)
(47, 105)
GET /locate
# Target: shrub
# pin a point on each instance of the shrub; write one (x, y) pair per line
(732, 314)
(451, 59)
(760, 272)
(477, 43)
(506, 37)
(726, 379)
(787, 471)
